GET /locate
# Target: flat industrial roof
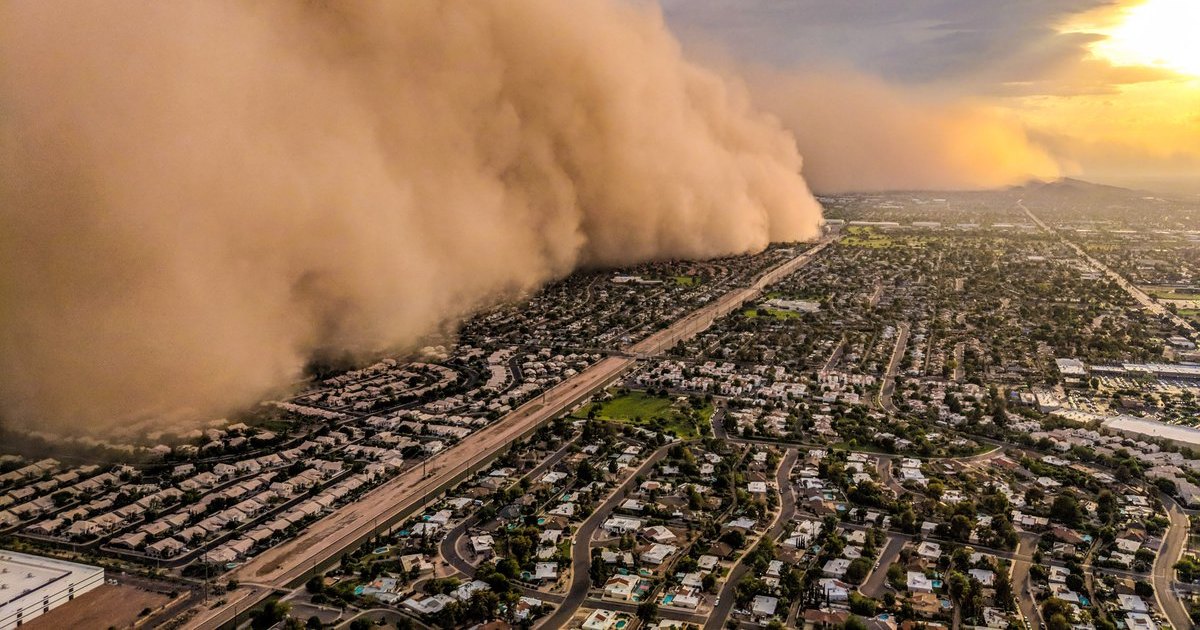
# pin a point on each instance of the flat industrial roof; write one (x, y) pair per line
(25, 579)
(1152, 428)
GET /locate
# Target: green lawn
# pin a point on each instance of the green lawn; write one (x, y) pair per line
(780, 314)
(1168, 294)
(861, 236)
(1190, 313)
(661, 414)
(687, 281)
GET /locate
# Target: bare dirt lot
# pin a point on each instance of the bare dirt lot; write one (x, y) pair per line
(110, 606)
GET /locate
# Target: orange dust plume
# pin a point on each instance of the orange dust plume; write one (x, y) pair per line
(198, 196)
(858, 133)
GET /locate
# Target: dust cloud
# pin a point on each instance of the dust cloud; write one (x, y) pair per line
(198, 197)
(859, 133)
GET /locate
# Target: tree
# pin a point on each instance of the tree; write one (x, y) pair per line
(1057, 614)
(508, 568)
(858, 570)
(896, 576)
(792, 582)
(271, 613)
(361, 623)
(315, 584)
(854, 623)
(960, 528)
(584, 472)
(734, 538)
(647, 611)
(1066, 509)
(482, 605)
(1188, 568)
(861, 605)
(1004, 592)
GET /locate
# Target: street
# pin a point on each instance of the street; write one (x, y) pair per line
(1163, 573)
(282, 567)
(787, 509)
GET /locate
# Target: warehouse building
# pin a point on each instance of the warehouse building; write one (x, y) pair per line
(1141, 428)
(33, 585)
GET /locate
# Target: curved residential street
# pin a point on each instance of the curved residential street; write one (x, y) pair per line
(787, 509)
(282, 567)
(888, 387)
(876, 583)
(581, 547)
(1022, 560)
(1163, 573)
(453, 547)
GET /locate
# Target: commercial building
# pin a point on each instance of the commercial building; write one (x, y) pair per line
(31, 586)
(1131, 426)
(1178, 371)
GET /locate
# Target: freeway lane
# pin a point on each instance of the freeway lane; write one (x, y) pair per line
(326, 539)
(1148, 303)
(285, 565)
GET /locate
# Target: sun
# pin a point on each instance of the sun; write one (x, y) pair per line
(1156, 33)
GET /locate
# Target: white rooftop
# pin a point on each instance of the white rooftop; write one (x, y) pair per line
(26, 579)
(1151, 428)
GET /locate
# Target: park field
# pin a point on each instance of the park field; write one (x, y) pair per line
(658, 413)
(1170, 294)
(752, 313)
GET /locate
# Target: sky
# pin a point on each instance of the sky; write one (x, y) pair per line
(1109, 88)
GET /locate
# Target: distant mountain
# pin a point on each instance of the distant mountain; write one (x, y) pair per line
(1077, 190)
(1069, 185)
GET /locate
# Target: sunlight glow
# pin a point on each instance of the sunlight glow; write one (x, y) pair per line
(1156, 33)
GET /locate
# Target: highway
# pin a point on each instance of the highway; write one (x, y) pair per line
(787, 509)
(1150, 304)
(703, 317)
(280, 567)
(284, 566)
(1163, 573)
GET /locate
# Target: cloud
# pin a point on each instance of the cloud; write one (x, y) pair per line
(962, 48)
(1152, 167)
(197, 197)
(859, 133)
(916, 41)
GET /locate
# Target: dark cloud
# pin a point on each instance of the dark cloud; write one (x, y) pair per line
(980, 47)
